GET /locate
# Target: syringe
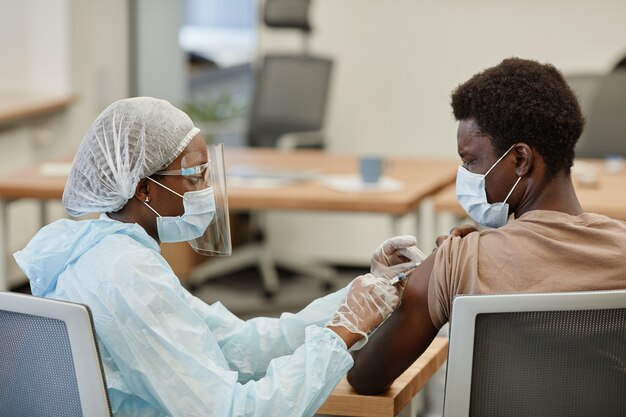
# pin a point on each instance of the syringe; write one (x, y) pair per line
(401, 276)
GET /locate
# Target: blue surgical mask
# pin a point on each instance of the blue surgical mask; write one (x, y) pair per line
(199, 211)
(472, 195)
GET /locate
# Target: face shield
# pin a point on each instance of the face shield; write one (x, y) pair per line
(203, 174)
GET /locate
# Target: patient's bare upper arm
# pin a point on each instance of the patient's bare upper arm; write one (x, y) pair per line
(400, 340)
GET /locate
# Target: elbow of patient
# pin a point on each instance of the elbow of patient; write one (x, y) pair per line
(365, 386)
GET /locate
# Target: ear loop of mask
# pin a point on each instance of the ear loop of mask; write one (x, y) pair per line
(164, 186)
(499, 159)
(512, 189)
(145, 202)
(496, 163)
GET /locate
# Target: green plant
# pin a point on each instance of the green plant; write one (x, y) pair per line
(221, 107)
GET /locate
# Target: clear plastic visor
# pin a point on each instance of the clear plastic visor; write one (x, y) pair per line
(203, 172)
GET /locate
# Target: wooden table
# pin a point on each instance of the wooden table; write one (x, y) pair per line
(599, 191)
(343, 401)
(421, 178)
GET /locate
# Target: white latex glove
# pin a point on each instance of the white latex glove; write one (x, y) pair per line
(368, 302)
(395, 255)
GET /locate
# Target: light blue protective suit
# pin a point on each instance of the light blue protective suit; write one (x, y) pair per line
(167, 353)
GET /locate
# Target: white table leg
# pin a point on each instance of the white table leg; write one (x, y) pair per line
(426, 226)
(415, 407)
(396, 227)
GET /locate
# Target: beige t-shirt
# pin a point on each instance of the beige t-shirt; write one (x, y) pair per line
(541, 251)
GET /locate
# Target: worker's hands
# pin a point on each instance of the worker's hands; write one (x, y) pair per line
(368, 302)
(395, 255)
(370, 298)
(460, 231)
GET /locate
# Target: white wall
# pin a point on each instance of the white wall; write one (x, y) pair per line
(397, 62)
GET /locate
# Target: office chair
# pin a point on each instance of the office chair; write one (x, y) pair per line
(559, 354)
(291, 91)
(49, 360)
(605, 133)
(289, 103)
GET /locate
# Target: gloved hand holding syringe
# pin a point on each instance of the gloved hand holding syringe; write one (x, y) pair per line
(372, 297)
(396, 258)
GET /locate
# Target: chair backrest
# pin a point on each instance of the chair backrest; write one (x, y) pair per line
(290, 96)
(291, 14)
(605, 132)
(49, 360)
(559, 354)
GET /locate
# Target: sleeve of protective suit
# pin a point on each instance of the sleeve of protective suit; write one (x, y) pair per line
(250, 345)
(170, 357)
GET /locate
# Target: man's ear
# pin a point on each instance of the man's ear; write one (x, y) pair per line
(524, 155)
(142, 191)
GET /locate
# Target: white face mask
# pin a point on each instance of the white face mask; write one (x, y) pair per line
(472, 195)
(199, 212)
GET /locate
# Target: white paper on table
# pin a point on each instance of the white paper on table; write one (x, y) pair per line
(55, 169)
(354, 184)
(256, 182)
(251, 177)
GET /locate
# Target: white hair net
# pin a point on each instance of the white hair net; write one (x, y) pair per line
(130, 140)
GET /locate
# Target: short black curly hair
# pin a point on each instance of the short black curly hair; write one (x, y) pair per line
(521, 100)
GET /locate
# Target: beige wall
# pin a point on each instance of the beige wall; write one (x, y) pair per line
(161, 64)
(33, 46)
(397, 61)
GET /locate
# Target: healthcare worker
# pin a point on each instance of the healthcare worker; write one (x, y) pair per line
(145, 167)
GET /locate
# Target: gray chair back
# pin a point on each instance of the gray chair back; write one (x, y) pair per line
(291, 95)
(605, 132)
(49, 361)
(291, 14)
(538, 355)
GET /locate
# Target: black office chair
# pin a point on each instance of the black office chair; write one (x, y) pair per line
(49, 360)
(291, 92)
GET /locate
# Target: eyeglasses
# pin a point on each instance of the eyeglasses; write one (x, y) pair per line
(185, 172)
(196, 175)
